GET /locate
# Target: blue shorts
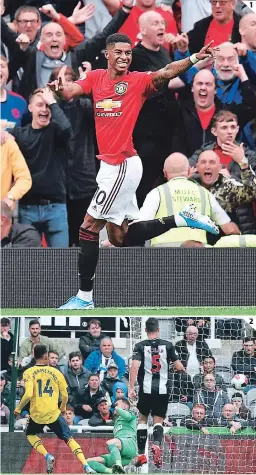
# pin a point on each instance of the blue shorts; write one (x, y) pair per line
(59, 427)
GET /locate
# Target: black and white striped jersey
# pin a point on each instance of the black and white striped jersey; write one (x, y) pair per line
(155, 356)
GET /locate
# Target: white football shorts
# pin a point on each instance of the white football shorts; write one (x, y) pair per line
(115, 198)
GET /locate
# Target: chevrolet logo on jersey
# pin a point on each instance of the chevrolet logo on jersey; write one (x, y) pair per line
(108, 104)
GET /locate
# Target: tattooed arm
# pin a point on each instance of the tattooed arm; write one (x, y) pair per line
(176, 68)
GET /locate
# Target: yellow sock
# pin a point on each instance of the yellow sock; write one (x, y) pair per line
(77, 451)
(37, 444)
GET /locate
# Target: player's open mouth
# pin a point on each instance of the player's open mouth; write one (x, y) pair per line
(160, 35)
(203, 94)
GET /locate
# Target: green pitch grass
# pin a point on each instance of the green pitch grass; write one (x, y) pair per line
(137, 311)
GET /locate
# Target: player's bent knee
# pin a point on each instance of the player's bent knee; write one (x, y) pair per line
(116, 241)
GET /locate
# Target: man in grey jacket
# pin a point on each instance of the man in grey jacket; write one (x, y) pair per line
(230, 419)
(213, 399)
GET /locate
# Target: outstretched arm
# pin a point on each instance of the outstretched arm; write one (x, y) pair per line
(65, 92)
(176, 68)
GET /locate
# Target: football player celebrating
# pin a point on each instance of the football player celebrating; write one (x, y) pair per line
(118, 96)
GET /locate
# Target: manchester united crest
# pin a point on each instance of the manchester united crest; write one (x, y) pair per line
(121, 88)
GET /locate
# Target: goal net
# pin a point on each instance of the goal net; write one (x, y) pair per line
(219, 449)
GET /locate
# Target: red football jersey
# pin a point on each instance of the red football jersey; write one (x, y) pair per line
(131, 25)
(117, 104)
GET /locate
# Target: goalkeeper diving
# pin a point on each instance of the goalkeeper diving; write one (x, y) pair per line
(123, 447)
(43, 387)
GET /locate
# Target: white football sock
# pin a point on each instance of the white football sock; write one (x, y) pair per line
(84, 295)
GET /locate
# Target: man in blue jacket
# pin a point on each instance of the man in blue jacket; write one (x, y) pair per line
(99, 360)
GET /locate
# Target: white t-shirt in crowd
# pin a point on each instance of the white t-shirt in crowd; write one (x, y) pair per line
(193, 11)
(193, 365)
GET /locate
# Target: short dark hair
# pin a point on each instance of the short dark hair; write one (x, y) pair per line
(200, 406)
(124, 399)
(248, 338)
(223, 116)
(69, 71)
(70, 408)
(92, 375)
(152, 325)
(74, 354)
(209, 358)
(34, 322)
(5, 321)
(39, 351)
(54, 352)
(118, 38)
(94, 321)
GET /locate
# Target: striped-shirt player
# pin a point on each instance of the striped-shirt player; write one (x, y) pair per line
(150, 364)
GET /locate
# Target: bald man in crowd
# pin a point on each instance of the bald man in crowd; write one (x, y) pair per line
(153, 131)
(228, 192)
(247, 28)
(170, 198)
(38, 65)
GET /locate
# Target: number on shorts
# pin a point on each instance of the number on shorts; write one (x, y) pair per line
(46, 390)
(156, 365)
(100, 197)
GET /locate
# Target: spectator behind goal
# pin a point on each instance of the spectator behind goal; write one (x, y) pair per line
(192, 351)
(244, 362)
(213, 398)
(208, 367)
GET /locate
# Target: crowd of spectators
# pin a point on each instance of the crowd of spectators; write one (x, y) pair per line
(205, 390)
(207, 114)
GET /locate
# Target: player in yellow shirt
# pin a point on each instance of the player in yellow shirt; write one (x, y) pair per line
(43, 386)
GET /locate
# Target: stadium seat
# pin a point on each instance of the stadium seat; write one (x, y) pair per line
(177, 410)
(250, 399)
(83, 422)
(225, 372)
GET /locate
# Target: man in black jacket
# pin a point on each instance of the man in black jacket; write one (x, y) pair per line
(91, 340)
(76, 375)
(102, 415)
(81, 152)
(244, 361)
(86, 399)
(43, 144)
(223, 21)
(191, 351)
(38, 64)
